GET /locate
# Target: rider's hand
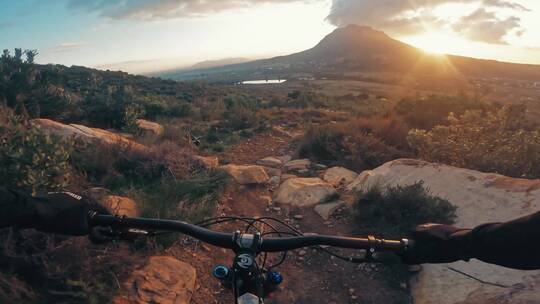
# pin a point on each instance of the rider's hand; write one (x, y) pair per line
(437, 243)
(64, 213)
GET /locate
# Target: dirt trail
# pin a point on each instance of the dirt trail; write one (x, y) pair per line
(309, 276)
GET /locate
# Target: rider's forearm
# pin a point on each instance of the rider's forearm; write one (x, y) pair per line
(16, 209)
(514, 244)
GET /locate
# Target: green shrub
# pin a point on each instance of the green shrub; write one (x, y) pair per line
(394, 212)
(188, 200)
(117, 168)
(343, 144)
(502, 142)
(132, 112)
(427, 112)
(29, 158)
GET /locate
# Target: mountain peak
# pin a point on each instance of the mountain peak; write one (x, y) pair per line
(355, 28)
(354, 40)
(353, 32)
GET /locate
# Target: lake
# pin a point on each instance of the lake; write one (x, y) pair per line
(263, 81)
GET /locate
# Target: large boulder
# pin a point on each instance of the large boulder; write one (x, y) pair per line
(150, 127)
(480, 198)
(115, 204)
(121, 205)
(517, 294)
(304, 192)
(339, 176)
(87, 135)
(272, 172)
(163, 280)
(245, 174)
(326, 210)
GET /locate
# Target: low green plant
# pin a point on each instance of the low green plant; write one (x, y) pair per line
(30, 158)
(132, 113)
(395, 211)
(188, 200)
(425, 112)
(392, 213)
(118, 168)
(341, 144)
(501, 141)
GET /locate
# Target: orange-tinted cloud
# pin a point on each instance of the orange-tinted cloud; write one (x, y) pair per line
(395, 17)
(163, 9)
(485, 26)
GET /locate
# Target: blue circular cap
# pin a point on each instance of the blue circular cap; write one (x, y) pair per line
(275, 277)
(220, 272)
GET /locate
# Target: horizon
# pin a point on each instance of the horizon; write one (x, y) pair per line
(149, 37)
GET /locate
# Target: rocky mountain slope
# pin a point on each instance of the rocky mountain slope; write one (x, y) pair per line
(355, 49)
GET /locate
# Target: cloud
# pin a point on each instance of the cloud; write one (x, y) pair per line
(485, 26)
(506, 4)
(405, 17)
(67, 46)
(163, 9)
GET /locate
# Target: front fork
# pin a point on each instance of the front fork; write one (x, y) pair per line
(246, 279)
(246, 282)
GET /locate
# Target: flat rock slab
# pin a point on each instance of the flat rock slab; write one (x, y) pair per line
(304, 192)
(163, 280)
(297, 164)
(480, 198)
(328, 209)
(339, 176)
(270, 162)
(284, 159)
(246, 175)
(89, 136)
(288, 176)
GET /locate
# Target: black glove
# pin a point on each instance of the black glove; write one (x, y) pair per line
(64, 213)
(437, 243)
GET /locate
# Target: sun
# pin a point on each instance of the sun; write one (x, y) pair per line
(437, 43)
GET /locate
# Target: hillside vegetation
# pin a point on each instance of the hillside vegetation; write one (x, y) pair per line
(356, 131)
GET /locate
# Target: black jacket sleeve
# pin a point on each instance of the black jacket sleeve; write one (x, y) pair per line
(56, 212)
(514, 244)
(16, 209)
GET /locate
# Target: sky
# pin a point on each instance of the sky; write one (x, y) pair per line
(142, 36)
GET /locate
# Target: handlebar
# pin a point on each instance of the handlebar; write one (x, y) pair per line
(268, 244)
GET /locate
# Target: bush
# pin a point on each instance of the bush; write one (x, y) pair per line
(29, 158)
(427, 112)
(342, 144)
(396, 211)
(117, 168)
(501, 142)
(189, 200)
(391, 129)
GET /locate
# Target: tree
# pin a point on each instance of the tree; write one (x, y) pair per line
(23, 87)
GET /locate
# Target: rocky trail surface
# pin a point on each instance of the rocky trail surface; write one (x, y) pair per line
(268, 183)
